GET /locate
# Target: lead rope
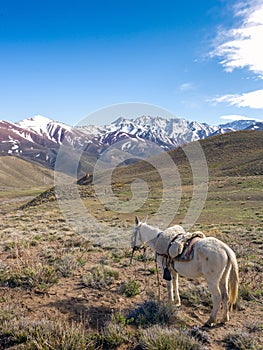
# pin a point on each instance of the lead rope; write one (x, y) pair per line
(146, 280)
(158, 279)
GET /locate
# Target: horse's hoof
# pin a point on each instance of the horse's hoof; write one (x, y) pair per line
(225, 320)
(209, 323)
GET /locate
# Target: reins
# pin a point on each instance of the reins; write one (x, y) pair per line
(158, 278)
(144, 247)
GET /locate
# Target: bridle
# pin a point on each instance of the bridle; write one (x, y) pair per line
(136, 235)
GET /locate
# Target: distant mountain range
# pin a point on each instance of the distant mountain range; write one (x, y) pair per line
(39, 138)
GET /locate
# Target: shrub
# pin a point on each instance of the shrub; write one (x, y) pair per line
(38, 276)
(199, 334)
(45, 334)
(197, 295)
(67, 265)
(100, 276)
(151, 312)
(164, 338)
(130, 288)
(241, 340)
(115, 332)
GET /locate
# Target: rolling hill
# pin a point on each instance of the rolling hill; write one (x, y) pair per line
(18, 173)
(235, 167)
(232, 154)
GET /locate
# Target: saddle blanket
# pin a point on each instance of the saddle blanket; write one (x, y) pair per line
(174, 242)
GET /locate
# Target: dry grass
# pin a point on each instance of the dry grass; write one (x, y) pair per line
(89, 285)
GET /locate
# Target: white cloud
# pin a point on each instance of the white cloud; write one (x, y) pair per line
(186, 87)
(237, 117)
(242, 46)
(253, 99)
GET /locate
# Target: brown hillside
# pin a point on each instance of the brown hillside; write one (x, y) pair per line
(236, 153)
(232, 154)
(18, 173)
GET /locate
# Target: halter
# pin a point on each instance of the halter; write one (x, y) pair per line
(136, 235)
(143, 245)
(134, 239)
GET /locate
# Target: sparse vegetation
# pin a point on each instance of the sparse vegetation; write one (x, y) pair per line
(152, 312)
(29, 277)
(45, 334)
(164, 338)
(100, 276)
(241, 340)
(130, 288)
(65, 290)
(108, 282)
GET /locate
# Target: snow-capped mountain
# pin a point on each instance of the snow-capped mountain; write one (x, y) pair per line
(255, 126)
(45, 127)
(39, 138)
(166, 133)
(239, 124)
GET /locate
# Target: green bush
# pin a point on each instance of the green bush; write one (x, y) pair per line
(130, 288)
(29, 277)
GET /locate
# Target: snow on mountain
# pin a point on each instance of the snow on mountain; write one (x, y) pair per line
(45, 127)
(222, 130)
(166, 133)
(36, 123)
(39, 138)
(239, 124)
(255, 126)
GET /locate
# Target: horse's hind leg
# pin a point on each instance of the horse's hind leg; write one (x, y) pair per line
(216, 297)
(223, 285)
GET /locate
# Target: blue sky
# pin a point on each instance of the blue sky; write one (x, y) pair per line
(201, 60)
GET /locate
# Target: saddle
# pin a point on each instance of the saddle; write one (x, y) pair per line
(176, 246)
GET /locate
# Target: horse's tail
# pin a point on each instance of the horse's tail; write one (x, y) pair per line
(233, 278)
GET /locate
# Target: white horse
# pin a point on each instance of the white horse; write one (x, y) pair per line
(212, 259)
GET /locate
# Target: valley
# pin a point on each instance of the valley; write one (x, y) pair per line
(72, 287)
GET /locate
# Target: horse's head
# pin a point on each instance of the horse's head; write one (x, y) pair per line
(137, 242)
(136, 237)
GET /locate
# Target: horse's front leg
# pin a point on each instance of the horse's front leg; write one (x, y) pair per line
(169, 284)
(176, 289)
(170, 290)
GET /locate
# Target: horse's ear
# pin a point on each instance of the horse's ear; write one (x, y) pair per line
(145, 219)
(137, 221)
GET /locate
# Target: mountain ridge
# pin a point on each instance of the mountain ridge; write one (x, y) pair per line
(39, 138)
